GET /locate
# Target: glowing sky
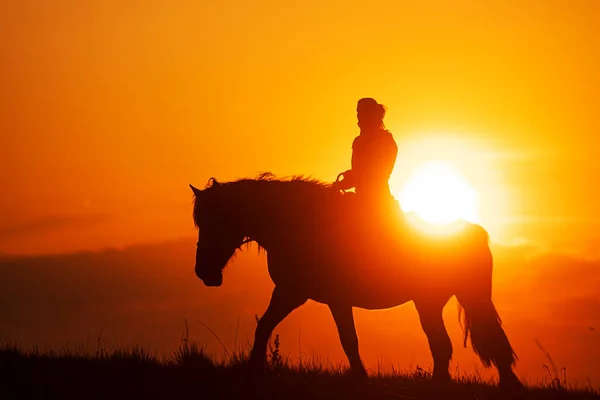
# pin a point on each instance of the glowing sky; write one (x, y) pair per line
(110, 108)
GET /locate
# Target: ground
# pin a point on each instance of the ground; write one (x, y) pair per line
(189, 372)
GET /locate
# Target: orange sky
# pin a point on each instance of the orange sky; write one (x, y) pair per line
(110, 108)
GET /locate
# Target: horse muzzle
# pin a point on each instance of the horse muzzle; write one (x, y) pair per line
(209, 266)
(213, 282)
(211, 279)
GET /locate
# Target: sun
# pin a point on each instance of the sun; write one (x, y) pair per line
(439, 194)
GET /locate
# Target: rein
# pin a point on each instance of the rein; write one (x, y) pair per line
(340, 175)
(245, 241)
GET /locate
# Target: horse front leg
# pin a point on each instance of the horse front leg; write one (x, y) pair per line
(439, 341)
(344, 320)
(281, 305)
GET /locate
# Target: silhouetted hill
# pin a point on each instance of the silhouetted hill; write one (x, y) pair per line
(141, 296)
(135, 373)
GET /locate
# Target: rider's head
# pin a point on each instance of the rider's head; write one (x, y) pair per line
(370, 114)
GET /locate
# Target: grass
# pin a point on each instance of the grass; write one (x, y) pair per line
(190, 372)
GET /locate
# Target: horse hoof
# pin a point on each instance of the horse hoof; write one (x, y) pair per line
(512, 386)
(255, 368)
(359, 374)
(441, 377)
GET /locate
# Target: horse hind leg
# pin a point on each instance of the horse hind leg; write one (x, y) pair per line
(437, 335)
(281, 305)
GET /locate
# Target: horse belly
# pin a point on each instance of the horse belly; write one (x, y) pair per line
(363, 285)
(354, 277)
(380, 298)
(372, 297)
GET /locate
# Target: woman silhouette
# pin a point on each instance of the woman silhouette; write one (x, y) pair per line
(374, 154)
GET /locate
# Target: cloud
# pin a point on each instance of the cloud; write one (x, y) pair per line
(50, 223)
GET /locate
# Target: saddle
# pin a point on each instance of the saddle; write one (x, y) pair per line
(374, 215)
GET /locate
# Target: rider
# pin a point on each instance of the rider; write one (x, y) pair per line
(374, 154)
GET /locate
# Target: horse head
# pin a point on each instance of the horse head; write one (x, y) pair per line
(219, 233)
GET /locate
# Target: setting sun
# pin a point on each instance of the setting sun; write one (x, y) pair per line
(438, 193)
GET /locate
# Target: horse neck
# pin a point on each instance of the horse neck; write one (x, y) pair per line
(264, 209)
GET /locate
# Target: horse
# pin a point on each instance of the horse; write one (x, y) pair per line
(320, 246)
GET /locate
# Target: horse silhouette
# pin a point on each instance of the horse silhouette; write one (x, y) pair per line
(320, 246)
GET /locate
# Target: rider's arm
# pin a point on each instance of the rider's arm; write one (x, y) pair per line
(349, 180)
(349, 177)
(389, 155)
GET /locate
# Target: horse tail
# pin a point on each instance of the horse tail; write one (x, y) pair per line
(477, 314)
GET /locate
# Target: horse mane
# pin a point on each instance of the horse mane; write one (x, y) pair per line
(301, 182)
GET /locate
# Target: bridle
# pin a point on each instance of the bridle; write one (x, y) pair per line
(245, 241)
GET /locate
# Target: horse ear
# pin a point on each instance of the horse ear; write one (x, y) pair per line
(213, 182)
(196, 191)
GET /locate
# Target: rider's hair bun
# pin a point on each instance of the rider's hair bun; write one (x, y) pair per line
(372, 108)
